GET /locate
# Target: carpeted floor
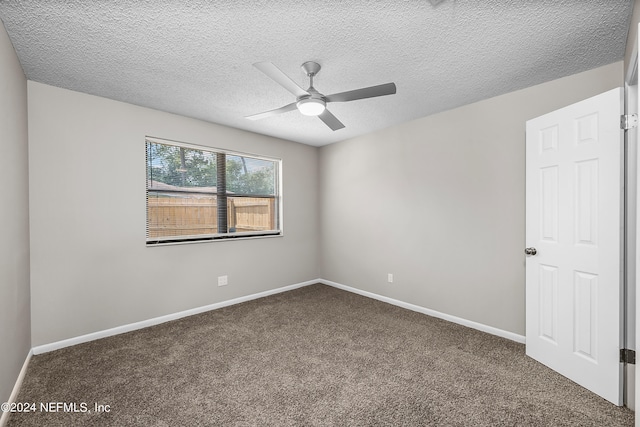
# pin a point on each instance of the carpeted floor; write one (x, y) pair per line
(314, 356)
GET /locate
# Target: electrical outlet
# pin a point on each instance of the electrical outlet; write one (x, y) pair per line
(390, 278)
(223, 280)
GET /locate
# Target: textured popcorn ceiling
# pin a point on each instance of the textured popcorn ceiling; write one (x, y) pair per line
(195, 58)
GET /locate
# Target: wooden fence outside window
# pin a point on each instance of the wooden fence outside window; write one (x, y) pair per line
(180, 216)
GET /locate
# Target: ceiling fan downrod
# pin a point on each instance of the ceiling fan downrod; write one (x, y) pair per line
(311, 68)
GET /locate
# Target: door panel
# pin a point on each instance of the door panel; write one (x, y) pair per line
(549, 303)
(574, 201)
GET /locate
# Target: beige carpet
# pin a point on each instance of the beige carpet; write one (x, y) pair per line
(315, 356)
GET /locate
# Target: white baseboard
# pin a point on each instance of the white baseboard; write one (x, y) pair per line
(471, 324)
(162, 319)
(4, 418)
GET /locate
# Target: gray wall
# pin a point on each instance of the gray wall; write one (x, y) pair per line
(15, 340)
(91, 269)
(440, 203)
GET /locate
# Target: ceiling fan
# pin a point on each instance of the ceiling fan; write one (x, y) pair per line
(310, 102)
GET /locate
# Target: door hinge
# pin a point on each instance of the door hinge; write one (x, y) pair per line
(627, 356)
(628, 121)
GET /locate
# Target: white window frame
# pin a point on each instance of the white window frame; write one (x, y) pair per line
(186, 239)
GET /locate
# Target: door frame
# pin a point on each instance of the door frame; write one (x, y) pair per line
(631, 321)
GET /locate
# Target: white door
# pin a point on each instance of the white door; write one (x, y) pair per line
(574, 207)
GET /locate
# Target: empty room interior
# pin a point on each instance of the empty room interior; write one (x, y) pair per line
(318, 213)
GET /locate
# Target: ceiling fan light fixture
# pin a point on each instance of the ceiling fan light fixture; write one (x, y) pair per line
(311, 106)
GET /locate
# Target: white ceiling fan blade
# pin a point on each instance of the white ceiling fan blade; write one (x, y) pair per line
(288, 107)
(331, 120)
(367, 92)
(281, 78)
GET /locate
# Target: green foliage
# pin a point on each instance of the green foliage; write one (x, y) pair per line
(254, 176)
(188, 168)
(182, 167)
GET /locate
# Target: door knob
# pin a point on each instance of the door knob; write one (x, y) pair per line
(530, 251)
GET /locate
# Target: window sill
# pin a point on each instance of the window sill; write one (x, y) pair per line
(209, 239)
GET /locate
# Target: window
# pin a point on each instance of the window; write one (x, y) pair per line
(197, 194)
